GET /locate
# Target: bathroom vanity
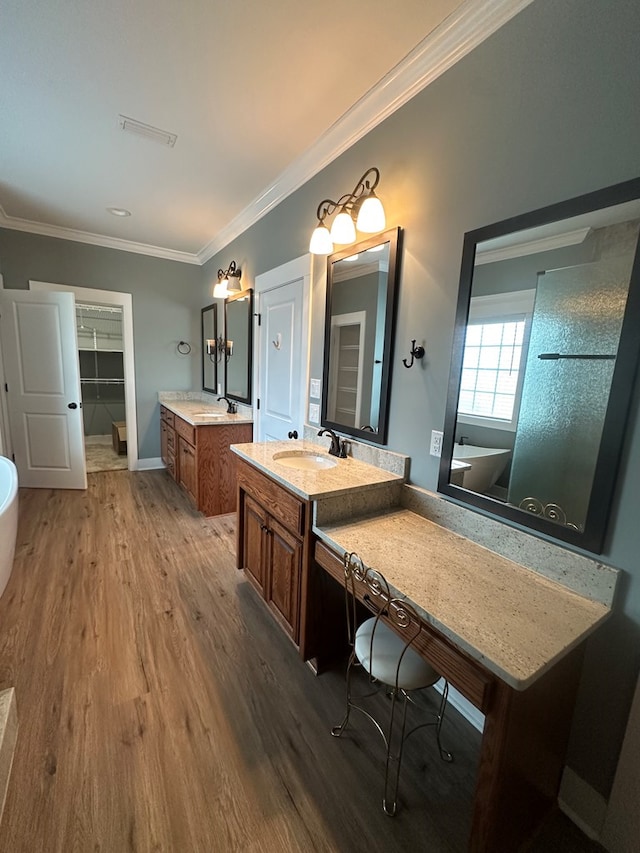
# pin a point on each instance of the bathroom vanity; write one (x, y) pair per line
(195, 438)
(508, 638)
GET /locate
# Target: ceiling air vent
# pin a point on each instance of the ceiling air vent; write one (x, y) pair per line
(131, 125)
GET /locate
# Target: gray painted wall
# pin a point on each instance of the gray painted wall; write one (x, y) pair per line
(166, 309)
(544, 110)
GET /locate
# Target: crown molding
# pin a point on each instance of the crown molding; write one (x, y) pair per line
(46, 230)
(463, 30)
(467, 27)
(532, 247)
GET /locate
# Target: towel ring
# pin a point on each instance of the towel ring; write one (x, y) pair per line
(184, 348)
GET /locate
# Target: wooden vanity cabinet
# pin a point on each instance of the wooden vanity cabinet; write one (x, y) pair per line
(199, 459)
(273, 544)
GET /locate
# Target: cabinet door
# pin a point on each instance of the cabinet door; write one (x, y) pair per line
(283, 576)
(163, 442)
(187, 471)
(255, 543)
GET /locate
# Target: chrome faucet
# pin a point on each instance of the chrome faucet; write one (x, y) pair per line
(338, 446)
(232, 407)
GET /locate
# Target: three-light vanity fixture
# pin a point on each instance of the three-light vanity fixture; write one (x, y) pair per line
(360, 209)
(228, 282)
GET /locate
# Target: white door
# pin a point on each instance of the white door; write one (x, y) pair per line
(40, 350)
(281, 407)
(345, 368)
(283, 340)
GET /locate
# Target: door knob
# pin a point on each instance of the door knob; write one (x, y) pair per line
(293, 433)
(72, 406)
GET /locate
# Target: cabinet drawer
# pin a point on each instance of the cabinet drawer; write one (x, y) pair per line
(185, 430)
(166, 416)
(472, 680)
(281, 504)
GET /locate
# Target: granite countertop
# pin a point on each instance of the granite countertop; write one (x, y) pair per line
(511, 619)
(347, 475)
(199, 413)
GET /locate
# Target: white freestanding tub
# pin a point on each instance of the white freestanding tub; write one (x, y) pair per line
(487, 463)
(8, 518)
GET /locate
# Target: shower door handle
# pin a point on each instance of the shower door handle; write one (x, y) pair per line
(72, 406)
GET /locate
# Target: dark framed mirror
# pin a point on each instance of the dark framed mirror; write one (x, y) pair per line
(209, 328)
(238, 331)
(545, 353)
(358, 339)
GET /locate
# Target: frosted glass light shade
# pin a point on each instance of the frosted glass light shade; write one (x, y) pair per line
(220, 290)
(343, 230)
(321, 242)
(371, 216)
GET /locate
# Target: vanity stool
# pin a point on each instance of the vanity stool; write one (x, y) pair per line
(386, 655)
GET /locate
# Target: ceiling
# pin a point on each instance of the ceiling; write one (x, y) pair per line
(250, 88)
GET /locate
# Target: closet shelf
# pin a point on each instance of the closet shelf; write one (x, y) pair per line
(91, 349)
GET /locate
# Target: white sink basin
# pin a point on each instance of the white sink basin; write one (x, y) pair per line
(304, 461)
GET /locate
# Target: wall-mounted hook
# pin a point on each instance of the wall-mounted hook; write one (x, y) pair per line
(278, 341)
(416, 352)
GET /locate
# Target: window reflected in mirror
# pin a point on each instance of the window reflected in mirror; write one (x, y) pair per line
(543, 362)
(359, 329)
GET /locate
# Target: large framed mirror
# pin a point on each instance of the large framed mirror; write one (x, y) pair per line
(238, 330)
(545, 352)
(209, 329)
(358, 338)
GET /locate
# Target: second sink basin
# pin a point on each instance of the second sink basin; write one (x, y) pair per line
(304, 461)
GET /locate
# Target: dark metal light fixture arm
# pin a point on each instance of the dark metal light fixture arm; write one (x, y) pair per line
(349, 202)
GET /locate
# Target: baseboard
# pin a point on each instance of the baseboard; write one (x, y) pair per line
(149, 464)
(582, 804)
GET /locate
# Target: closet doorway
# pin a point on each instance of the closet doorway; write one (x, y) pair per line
(100, 351)
(108, 390)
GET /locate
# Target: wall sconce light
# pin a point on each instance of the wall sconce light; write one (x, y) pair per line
(360, 209)
(228, 282)
(218, 347)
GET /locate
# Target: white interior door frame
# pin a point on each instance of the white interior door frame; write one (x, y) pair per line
(298, 268)
(6, 447)
(125, 301)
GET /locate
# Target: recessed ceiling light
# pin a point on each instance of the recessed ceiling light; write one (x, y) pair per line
(118, 211)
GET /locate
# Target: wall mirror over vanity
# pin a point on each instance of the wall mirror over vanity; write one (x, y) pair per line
(545, 353)
(210, 349)
(238, 325)
(358, 340)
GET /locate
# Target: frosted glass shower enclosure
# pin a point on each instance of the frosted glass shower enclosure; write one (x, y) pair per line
(575, 332)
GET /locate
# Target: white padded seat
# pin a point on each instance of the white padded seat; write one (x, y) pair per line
(414, 674)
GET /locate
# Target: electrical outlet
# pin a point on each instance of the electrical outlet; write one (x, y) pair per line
(314, 388)
(436, 442)
(314, 413)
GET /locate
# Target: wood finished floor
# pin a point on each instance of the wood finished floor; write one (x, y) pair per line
(161, 708)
